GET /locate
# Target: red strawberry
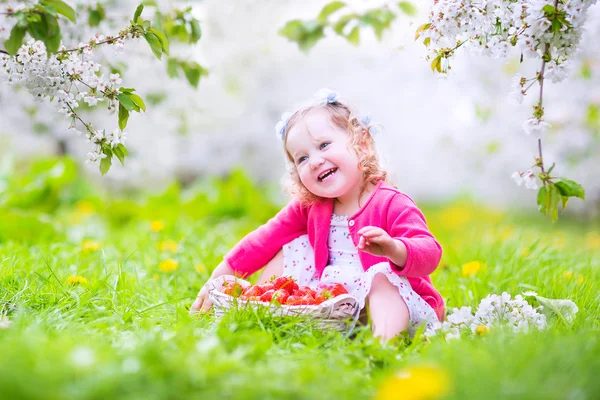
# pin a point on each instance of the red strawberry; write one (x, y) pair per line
(233, 289)
(285, 282)
(267, 296)
(281, 296)
(253, 291)
(293, 300)
(308, 300)
(302, 290)
(338, 289)
(320, 299)
(266, 287)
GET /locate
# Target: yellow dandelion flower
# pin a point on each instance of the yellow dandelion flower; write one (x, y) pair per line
(89, 246)
(471, 268)
(592, 240)
(415, 383)
(157, 226)
(168, 245)
(168, 265)
(85, 207)
(568, 275)
(456, 216)
(482, 330)
(525, 252)
(199, 268)
(77, 280)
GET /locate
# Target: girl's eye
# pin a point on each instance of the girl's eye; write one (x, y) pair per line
(323, 145)
(301, 159)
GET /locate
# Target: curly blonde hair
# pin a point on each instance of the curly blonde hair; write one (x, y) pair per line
(360, 141)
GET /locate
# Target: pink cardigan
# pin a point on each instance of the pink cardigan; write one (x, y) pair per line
(386, 207)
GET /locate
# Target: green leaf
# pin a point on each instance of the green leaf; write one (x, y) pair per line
(123, 149)
(552, 201)
(126, 102)
(548, 9)
(126, 90)
(330, 9)
(97, 15)
(39, 29)
(436, 64)
(564, 200)
(62, 8)
(408, 8)
(119, 153)
(193, 72)
(196, 32)
(53, 43)
(379, 20)
(106, 162)
(339, 26)
(354, 36)
(541, 199)
(421, 29)
(565, 310)
(154, 43)
(123, 117)
(137, 100)
(163, 39)
(427, 41)
(13, 43)
(570, 188)
(306, 34)
(172, 67)
(138, 12)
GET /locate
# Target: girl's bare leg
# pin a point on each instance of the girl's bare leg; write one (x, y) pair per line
(273, 267)
(388, 311)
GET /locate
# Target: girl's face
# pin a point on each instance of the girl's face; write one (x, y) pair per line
(325, 164)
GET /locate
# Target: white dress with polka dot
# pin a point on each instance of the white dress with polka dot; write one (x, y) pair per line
(345, 268)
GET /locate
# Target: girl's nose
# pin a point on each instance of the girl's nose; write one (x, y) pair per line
(317, 161)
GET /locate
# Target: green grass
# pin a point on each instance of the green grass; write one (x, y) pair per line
(127, 332)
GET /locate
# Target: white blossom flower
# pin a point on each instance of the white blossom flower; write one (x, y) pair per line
(535, 127)
(518, 177)
(530, 180)
(115, 79)
(557, 72)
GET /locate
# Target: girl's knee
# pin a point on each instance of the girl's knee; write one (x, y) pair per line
(381, 284)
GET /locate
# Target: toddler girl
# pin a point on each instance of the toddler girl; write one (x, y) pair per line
(345, 224)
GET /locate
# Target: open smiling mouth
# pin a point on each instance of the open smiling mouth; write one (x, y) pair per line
(327, 174)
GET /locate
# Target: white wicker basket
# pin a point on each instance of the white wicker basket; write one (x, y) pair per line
(339, 313)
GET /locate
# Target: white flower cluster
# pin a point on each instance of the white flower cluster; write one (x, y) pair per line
(489, 27)
(67, 78)
(528, 178)
(541, 29)
(493, 311)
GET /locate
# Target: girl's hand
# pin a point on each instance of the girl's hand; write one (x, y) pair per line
(202, 303)
(378, 242)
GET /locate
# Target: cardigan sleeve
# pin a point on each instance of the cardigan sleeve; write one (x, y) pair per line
(407, 224)
(257, 248)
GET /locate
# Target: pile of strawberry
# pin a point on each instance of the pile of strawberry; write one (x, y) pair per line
(285, 291)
